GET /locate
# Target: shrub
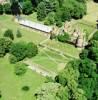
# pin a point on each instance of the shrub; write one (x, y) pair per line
(1, 9)
(41, 11)
(95, 36)
(63, 37)
(22, 50)
(12, 59)
(18, 50)
(8, 33)
(50, 19)
(32, 50)
(20, 69)
(25, 88)
(4, 46)
(7, 8)
(27, 8)
(0, 95)
(19, 34)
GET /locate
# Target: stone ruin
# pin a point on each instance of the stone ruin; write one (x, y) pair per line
(77, 37)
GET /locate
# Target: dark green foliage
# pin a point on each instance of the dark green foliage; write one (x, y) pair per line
(50, 19)
(7, 8)
(65, 14)
(8, 33)
(95, 36)
(25, 88)
(4, 46)
(63, 37)
(58, 23)
(18, 50)
(15, 8)
(22, 50)
(41, 11)
(0, 95)
(20, 69)
(1, 9)
(87, 68)
(84, 54)
(32, 50)
(27, 8)
(12, 59)
(19, 34)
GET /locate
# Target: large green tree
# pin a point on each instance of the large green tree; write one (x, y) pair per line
(27, 8)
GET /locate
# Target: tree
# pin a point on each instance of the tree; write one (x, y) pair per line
(4, 46)
(22, 50)
(1, 9)
(84, 54)
(18, 50)
(8, 33)
(19, 34)
(27, 8)
(32, 50)
(95, 36)
(50, 19)
(41, 11)
(20, 69)
(15, 8)
(7, 8)
(63, 37)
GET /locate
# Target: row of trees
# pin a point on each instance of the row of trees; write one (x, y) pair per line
(79, 79)
(16, 8)
(51, 11)
(56, 11)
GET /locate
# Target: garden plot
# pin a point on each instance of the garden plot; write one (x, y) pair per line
(50, 60)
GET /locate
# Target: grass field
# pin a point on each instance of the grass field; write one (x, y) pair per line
(50, 60)
(10, 84)
(28, 35)
(63, 47)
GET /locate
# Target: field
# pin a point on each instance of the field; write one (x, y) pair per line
(11, 85)
(6, 22)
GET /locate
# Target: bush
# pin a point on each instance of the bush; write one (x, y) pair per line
(20, 69)
(12, 59)
(63, 37)
(50, 19)
(8, 33)
(22, 50)
(27, 8)
(32, 50)
(0, 95)
(95, 36)
(4, 46)
(41, 11)
(7, 8)
(25, 88)
(18, 50)
(1, 9)
(19, 34)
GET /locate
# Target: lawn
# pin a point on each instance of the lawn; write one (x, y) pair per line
(66, 48)
(10, 84)
(28, 35)
(50, 60)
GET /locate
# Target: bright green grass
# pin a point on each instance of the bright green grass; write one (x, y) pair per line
(10, 84)
(63, 47)
(50, 60)
(28, 35)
